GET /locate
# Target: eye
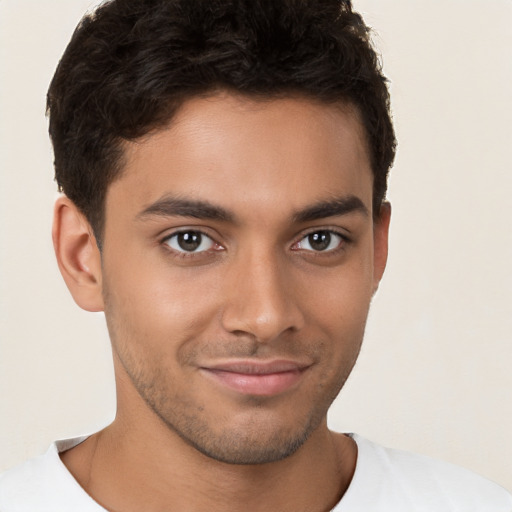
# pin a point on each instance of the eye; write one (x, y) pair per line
(190, 242)
(320, 241)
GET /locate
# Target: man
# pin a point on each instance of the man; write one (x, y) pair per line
(224, 168)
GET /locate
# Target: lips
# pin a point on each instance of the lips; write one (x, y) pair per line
(260, 378)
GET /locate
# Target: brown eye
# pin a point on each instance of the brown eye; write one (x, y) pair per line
(321, 241)
(190, 241)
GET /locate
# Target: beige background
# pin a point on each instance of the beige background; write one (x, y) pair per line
(435, 373)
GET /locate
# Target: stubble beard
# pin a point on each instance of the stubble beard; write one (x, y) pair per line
(237, 448)
(253, 444)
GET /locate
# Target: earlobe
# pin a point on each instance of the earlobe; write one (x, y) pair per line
(380, 243)
(77, 255)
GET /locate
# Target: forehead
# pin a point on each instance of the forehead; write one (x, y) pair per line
(278, 154)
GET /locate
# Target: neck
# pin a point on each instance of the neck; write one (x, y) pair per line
(125, 471)
(138, 463)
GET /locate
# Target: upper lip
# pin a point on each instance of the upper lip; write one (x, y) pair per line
(257, 367)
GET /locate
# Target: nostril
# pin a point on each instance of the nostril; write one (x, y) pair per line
(263, 324)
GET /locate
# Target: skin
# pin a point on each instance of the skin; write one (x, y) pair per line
(228, 357)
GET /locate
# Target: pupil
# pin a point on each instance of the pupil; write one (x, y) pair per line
(189, 241)
(320, 240)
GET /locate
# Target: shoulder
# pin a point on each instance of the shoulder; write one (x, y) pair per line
(399, 480)
(43, 484)
(25, 484)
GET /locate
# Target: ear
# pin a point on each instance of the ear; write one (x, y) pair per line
(380, 243)
(77, 254)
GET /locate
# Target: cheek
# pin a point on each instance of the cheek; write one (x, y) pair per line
(339, 299)
(158, 305)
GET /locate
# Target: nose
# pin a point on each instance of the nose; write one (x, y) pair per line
(260, 298)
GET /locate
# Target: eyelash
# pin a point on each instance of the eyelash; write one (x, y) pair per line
(183, 254)
(344, 241)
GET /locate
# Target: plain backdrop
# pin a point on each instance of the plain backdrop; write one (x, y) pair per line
(434, 374)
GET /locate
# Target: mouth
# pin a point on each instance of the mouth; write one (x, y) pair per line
(257, 378)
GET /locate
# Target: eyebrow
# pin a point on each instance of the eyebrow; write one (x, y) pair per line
(331, 208)
(171, 206)
(175, 206)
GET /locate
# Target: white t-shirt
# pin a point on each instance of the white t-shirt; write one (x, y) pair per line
(385, 480)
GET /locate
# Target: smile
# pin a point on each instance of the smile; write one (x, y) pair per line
(257, 378)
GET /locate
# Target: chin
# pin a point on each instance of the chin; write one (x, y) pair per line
(243, 449)
(256, 440)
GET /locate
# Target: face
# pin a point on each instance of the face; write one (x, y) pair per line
(240, 257)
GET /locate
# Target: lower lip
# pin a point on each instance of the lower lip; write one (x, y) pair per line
(256, 384)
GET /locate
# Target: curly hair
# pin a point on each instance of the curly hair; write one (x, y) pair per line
(132, 63)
